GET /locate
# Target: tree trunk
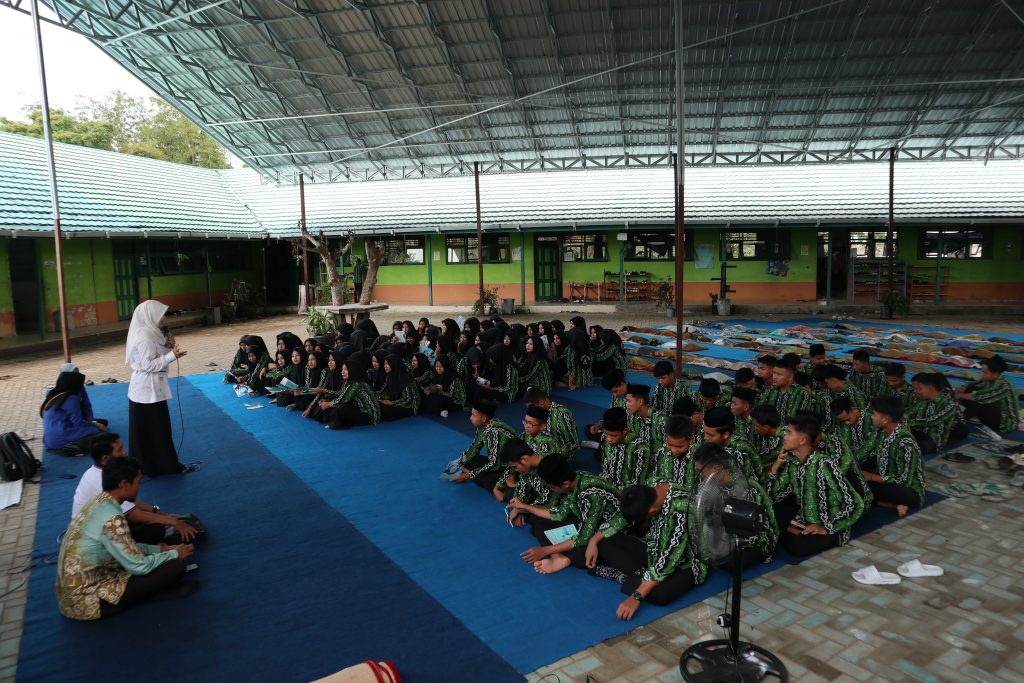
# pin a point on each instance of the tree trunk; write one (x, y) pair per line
(374, 254)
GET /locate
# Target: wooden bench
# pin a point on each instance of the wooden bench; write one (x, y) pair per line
(357, 311)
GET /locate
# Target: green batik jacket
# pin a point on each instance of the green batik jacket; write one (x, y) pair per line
(460, 364)
(999, 393)
(593, 501)
(624, 464)
(933, 416)
(827, 397)
(823, 494)
(529, 488)
(409, 398)
(579, 368)
(639, 427)
(767, 448)
(744, 430)
(426, 379)
(254, 379)
(491, 437)
(900, 462)
(539, 377)
(510, 383)
(669, 546)
(769, 537)
(662, 398)
(274, 377)
(905, 394)
(862, 438)
(789, 403)
(618, 402)
(612, 353)
(667, 468)
(456, 391)
(312, 380)
(743, 454)
(562, 425)
(359, 395)
(840, 451)
(870, 385)
(659, 421)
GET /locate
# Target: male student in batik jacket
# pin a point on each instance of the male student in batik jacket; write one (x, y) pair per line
(895, 470)
(669, 389)
(932, 416)
(660, 567)
(673, 461)
(561, 424)
(813, 500)
(787, 398)
(768, 433)
(741, 405)
(897, 386)
(719, 428)
(624, 460)
(614, 382)
(527, 488)
(837, 385)
(539, 442)
(491, 434)
(992, 400)
(585, 500)
(869, 379)
(101, 571)
(638, 410)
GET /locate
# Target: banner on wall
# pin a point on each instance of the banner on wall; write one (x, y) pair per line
(704, 256)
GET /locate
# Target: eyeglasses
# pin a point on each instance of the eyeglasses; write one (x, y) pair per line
(531, 424)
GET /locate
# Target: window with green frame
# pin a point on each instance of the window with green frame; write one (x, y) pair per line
(404, 251)
(762, 244)
(657, 246)
(871, 244)
(585, 246)
(176, 257)
(462, 249)
(956, 244)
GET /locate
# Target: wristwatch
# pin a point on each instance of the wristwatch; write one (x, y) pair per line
(156, 508)
(636, 596)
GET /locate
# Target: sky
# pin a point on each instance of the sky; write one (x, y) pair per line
(74, 67)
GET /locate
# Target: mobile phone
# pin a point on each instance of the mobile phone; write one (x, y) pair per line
(798, 524)
(166, 331)
(191, 568)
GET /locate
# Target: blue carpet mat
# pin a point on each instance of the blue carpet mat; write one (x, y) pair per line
(351, 548)
(291, 590)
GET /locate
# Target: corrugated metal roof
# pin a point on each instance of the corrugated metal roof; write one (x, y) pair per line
(359, 89)
(104, 191)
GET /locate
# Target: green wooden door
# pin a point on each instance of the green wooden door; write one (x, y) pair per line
(547, 273)
(125, 281)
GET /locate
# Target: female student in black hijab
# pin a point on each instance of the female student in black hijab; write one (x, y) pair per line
(558, 325)
(476, 369)
(578, 361)
(400, 396)
(287, 341)
(241, 368)
(313, 375)
(412, 341)
(502, 383)
(238, 362)
(446, 391)
(309, 345)
(365, 361)
(536, 371)
(356, 404)
(295, 375)
(609, 353)
(280, 368)
(471, 325)
(450, 328)
(556, 357)
(377, 374)
(421, 369)
(345, 331)
(256, 363)
(329, 390)
(68, 424)
(368, 327)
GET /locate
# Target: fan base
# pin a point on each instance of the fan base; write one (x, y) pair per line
(718, 664)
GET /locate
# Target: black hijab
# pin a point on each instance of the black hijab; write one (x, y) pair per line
(378, 372)
(345, 331)
(539, 354)
(398, 379)
(368, 328)
(578, 336)
(611, 338)
(449, 328)
(422, 365)
(296, 375)
(380, 343)
(563, 342)
(473, 324)
(68, 384)
(290, 340)
(334, 376)
(501, 357)
(558, 325)
(356, 370)
(448, 377)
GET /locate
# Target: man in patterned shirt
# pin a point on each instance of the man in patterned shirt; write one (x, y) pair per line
(992, 400)
(867, 378)
(896, 384)
(719, 428)
(672, 461)
(540, 444)
(895, 473)
(522, 461)
(787, 398)
(491, 435)
(837, 385)
(624, 460)
(765, 365)
(584, 499)
(638, 409)
(741, 405)
(669, 389)
(768, 433)
(614, 381)
(101, 571)
(711, 394)
(662, 566)
(813, 499)
(561, 423)
(855, 427)
(931, 417)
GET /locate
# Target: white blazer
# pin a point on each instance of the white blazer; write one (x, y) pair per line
(149, 363)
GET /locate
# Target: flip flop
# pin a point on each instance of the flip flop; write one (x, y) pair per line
(914, 569)
(870, 576)
(958, 457)
(944, 470)
(953, 491)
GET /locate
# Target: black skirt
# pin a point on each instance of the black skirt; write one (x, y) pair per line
(150, 440)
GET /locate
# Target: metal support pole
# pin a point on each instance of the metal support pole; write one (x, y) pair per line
(302, 241)
(54, 197)
(209, 282)
(828, 274)
(938, 270)
(149, 271)
(522, 268)
(430, 270)
(622, 273)
(479, 235)
(680, 164)
(888, 235)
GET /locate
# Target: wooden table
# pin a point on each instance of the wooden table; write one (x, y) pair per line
(358, 311)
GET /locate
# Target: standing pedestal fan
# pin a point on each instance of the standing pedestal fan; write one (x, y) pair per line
(722, 517)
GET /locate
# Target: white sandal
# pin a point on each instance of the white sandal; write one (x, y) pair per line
(870, 576)
(914, 569)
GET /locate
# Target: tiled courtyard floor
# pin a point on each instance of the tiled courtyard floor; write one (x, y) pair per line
(967, 625)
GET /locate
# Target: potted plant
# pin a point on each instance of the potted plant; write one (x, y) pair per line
(491, 303)
(894, 303)
(665, 298)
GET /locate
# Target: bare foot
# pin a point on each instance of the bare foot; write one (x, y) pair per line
(901, 510)
(550, 565)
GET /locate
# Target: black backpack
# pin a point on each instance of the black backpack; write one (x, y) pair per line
(16, 460)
